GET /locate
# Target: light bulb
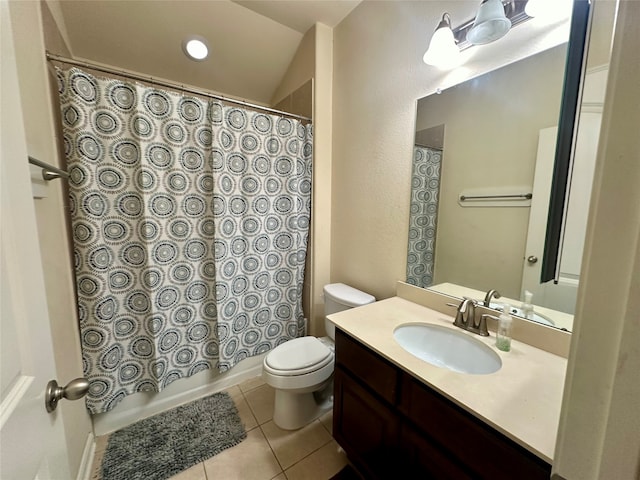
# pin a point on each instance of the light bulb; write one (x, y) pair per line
(490, 23)
(195, 48)
(548, 9)
(443, 51)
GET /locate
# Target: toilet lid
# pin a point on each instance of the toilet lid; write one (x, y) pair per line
(299, 354)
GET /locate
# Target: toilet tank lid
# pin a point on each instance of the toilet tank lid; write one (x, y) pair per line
(346, 295)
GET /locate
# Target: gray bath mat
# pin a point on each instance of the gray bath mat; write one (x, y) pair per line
(166, 444)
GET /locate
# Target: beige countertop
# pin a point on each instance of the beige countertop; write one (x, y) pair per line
(522, 399)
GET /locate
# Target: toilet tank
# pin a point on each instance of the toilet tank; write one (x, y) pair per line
(339, 297)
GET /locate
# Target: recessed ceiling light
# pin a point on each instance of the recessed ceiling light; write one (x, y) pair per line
(195, 48)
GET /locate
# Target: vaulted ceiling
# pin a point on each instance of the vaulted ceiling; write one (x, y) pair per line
(251, 43)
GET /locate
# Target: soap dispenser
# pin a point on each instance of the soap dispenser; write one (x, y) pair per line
(527, 307)
(503, 334)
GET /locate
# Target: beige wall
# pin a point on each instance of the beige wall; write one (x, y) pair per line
(323, 164)
(40, 119)
(300, 70)
(491, 126)
(374, 111)
(299, 102)
(378, 76)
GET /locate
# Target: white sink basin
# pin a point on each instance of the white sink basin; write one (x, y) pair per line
(447, 348)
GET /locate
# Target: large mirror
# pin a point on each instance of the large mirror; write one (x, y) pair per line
(482, 178)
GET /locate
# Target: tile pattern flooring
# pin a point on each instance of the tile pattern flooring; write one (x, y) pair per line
(268, 452)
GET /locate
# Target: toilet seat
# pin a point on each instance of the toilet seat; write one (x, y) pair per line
(298, 357)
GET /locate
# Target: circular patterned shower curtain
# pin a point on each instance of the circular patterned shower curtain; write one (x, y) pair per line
(261, 204)
(423, 218)
(190, 223)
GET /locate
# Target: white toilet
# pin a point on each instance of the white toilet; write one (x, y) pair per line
(301, 369)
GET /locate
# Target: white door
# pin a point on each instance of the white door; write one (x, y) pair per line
(561, 296)
(32, 441)
(538, 217)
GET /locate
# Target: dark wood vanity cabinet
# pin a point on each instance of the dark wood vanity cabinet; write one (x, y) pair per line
(393, 426)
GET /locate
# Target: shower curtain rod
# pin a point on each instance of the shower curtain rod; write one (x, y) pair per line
(165, 83)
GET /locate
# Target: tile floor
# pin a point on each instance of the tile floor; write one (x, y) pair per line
(268, 452)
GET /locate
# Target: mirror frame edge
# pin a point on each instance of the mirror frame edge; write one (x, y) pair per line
(567, 123)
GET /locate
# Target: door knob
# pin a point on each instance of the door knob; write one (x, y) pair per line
(532, 259)
(73, 390)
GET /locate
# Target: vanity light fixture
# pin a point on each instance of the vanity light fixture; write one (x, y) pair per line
(195, 47)
(493, 20)
(535, 8)
(491, 23)
(443, 51)
(548, 9)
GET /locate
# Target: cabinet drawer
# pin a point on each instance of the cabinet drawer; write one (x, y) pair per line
(368, 367)
(489, 453)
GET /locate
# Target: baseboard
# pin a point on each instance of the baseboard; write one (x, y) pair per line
(143, 405)
(86, 462)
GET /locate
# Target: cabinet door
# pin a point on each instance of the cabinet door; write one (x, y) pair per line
(380, 376)
(365, 427)
(424, 459)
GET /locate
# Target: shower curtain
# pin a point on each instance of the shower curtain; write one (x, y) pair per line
(261, 206)
(190, 223)
(425, 187)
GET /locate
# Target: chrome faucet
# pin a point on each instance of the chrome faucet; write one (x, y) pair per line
(487, 298)
(466, 317)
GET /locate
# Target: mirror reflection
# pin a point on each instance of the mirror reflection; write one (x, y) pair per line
(482, 166)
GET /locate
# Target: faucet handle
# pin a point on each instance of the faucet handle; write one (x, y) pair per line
(482, 328)
(471, 303)
(464, 312)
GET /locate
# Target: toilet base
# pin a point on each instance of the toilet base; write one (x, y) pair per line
(295, 410)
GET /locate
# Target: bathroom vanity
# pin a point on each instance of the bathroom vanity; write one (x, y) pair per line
(397, 416)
